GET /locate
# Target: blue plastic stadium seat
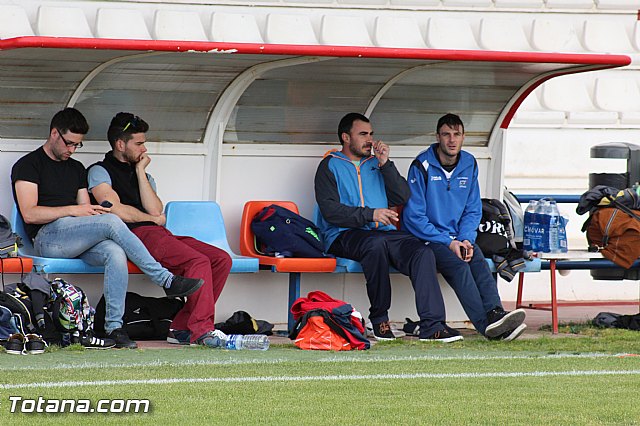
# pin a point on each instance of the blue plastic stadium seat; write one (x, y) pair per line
(203, 220)
(48, 265)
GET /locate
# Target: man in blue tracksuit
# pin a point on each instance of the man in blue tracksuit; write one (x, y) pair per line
(354, 189)
(445, 210)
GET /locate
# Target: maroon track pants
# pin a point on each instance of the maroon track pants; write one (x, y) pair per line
(191, 258)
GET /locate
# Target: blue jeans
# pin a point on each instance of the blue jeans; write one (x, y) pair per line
(102, 240)
(472, 282)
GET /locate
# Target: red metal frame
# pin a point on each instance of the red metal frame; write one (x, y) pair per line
(553, 306)
(312, 50)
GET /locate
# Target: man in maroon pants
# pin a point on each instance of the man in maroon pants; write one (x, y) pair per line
(121, 179)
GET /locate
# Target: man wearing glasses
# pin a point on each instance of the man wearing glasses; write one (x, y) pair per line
(50, 190)
(122, 180)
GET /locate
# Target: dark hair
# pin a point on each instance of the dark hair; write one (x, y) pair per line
(124, 125)
(347, 123)
(450, 120)
(69, 119)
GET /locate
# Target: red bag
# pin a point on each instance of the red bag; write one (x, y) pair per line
(319, 332)
(326, 323)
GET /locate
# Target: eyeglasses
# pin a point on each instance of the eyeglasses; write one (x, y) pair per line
(135, 121)
(67, 143)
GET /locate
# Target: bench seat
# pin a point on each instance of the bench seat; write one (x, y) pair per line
(198, 219)
(351, 266)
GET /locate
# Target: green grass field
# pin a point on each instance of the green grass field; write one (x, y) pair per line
(589, 378)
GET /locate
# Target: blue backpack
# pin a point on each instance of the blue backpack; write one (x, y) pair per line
(282, 233)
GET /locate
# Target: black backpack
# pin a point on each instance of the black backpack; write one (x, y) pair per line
(9, 241)
(611, 320)
(281, 232)
(495, 235)
(145, 318)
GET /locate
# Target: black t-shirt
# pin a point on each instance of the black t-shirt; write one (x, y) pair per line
(58, 181)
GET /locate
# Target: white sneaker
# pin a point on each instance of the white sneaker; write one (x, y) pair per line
(396, 333)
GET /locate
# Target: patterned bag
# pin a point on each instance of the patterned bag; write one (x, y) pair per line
(70, 308)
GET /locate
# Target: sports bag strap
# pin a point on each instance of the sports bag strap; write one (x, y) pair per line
(623, 207)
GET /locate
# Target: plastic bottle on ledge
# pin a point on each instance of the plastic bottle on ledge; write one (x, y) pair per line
(542, 237)
(256, 342)
(554, 224)
(529, 221)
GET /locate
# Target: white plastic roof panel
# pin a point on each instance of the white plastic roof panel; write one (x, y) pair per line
(289, 29)
(532, 4)
(178, 25)
(63, 22)
(121, 23)
(570, 4)
(618, 4)
(14, 22)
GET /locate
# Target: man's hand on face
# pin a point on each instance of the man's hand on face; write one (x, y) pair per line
(381, 151)
(385, 216)
(145, 160)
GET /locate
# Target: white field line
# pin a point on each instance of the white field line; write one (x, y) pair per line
(414, 376)
(330, 359)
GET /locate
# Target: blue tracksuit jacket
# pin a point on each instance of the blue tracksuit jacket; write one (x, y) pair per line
(444, 208)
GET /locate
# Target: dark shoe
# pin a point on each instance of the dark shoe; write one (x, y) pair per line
(89, 341)
(34, 344)
(179, 337)
(15, 344)
(383, 331)
(411, 327)
(510, 335)
(501, 321)
(183, 286)
(121, 339)
(446, 335)
(212, 339)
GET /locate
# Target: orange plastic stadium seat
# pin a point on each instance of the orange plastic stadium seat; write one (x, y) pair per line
(278, 264)
(16, 265)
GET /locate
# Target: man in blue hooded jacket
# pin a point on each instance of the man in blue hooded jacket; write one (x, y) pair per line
(445, 210)
(354, 189)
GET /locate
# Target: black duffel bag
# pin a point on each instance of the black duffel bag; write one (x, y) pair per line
(145, 318)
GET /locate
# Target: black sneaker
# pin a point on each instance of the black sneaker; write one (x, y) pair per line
(383, 331)
(179, 337)
(34, 344)
(121, 339)
(15, 344)
(411, 327)
(183, 286)
(510, 335)
(501, 321)
(446, 335)
(89, 341)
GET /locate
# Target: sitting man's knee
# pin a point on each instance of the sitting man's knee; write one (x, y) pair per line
(377, 245)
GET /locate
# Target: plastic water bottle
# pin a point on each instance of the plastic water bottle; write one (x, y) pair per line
(541, 240)
(554, 224)
(256, 342)
(529, 221)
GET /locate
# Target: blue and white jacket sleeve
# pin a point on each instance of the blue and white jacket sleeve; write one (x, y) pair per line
(414, 217)
(472, 213)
